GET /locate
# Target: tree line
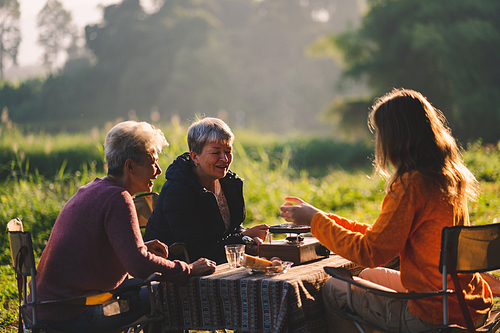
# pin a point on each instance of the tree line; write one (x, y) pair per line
(268, 64)
(56, 33)
(448, 50)
(242, 60)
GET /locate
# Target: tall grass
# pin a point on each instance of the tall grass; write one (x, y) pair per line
(267, 164)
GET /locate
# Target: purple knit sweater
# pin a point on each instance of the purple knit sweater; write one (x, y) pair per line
(95, 241)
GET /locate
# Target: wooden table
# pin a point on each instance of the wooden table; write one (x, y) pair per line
(237, 300)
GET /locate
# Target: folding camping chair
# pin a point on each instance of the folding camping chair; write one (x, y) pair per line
(144, 205)
(464, 249)
(113, 302)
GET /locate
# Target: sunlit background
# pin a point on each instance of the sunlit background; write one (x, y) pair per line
(280, 66)
(245, 61)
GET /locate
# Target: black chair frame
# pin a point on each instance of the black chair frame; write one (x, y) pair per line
(113, 301)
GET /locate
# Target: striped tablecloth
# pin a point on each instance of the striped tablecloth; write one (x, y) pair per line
(237, 300)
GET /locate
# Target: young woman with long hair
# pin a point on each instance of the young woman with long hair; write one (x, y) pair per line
(427, 188)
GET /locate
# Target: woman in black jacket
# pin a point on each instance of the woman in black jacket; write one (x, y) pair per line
(202, 204)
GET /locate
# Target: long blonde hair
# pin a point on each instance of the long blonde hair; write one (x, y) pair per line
(412, 135)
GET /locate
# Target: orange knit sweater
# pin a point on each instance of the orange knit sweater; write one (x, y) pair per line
(410, 225)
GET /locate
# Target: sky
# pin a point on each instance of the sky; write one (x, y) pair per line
(83, 12)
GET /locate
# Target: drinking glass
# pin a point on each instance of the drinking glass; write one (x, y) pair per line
(234, 254)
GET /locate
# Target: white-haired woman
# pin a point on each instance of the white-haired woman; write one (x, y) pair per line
(96, 239)
(202, 202)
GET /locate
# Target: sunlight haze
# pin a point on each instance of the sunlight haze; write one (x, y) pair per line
(83, 12)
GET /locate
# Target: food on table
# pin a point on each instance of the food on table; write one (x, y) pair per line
(277, 263)
(262, 264)
(252, 261)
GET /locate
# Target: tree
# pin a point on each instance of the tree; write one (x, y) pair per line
(244, 60)
(446, 49)
(10, 34)
(138, 52)
(56, 32)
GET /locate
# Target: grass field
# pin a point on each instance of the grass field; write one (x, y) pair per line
(264, 161)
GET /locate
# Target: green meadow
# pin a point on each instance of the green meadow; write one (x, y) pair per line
(39, 172)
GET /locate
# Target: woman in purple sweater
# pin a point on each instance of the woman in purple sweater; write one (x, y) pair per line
(96, 239)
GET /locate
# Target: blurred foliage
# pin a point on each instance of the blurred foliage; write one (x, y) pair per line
(483, 161)
(55, 32)
(10, 33)
(316, 155)
(346, 115)
(241, 60)
(24, 152)
(446, 49)
(248, 62)
(8, 300)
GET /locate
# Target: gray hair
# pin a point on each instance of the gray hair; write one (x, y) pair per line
(131, 140)
(208, 130)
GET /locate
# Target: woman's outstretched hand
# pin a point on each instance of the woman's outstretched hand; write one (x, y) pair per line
(300, 213)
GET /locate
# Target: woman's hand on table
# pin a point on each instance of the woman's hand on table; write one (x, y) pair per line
(158, 248)
(202, 266)
(299, 212)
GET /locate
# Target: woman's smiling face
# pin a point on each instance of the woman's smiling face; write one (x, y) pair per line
(214, 161)
(145, 174)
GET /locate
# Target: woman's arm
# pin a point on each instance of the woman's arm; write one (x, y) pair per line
(380, 242)
(124, 235)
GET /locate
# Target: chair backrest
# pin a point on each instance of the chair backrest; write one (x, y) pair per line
(467, 249)
(471, 248)
(23, 262)
(21, 248)
(144, 205)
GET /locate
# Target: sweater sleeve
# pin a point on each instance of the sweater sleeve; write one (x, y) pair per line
(350, 225)
(122, 228)
(365, 245)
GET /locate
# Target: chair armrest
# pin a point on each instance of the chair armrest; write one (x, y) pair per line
(343, 274)
(178, 250)
(153, 277)
(176, 247)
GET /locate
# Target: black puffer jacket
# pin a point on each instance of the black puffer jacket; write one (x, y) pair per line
(187, 212)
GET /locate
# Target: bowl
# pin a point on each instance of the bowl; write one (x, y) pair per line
(271, 270)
